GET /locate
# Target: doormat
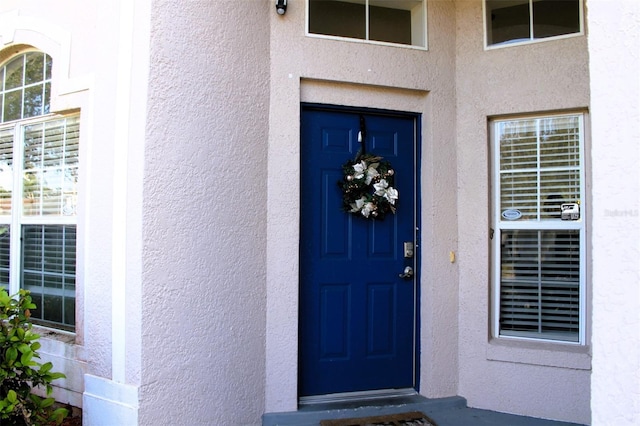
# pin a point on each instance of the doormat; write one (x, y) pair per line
(414, 418)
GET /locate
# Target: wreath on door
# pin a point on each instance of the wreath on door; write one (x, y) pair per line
(367, 187)
(367, 184)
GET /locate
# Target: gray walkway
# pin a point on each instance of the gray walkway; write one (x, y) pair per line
(444, 412)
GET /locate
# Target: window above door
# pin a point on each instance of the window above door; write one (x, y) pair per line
(522, 21)
(400, 22)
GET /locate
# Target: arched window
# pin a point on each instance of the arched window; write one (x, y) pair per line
(38, 191)
(26, 86)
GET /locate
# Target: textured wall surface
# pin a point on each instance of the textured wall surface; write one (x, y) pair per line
(615, 88)
(320, 70)
(204, 217)
(69, 31)
(212, 210)
(552, 380)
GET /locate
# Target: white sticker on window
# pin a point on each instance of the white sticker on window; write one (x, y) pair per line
(511, 214)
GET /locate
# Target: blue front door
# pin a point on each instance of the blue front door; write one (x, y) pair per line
(357, 314)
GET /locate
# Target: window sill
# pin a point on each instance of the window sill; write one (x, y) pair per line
(530, 41)
(61, 336)
(540, 353)
(369, 42)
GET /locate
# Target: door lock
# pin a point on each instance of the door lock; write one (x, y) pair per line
(408, 249)
(407, 274)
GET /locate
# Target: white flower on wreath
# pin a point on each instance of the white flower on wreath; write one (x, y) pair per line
(367, 208)
(384, 190)
(361, 170)
(363, 206)
(357, 206)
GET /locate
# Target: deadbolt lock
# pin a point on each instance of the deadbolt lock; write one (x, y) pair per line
(408, 249)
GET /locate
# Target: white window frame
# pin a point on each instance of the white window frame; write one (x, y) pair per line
(498, 224)
(366, 40)
(531, 39)
(17, 219)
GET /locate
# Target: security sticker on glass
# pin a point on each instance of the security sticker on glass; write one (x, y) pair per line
(570, 211)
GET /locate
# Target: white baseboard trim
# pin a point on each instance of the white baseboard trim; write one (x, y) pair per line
(108, 403)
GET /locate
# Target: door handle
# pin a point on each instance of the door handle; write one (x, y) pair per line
(407, 274)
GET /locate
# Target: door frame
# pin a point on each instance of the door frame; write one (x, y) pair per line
(417, 146)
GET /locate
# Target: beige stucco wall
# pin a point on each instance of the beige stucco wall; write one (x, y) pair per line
(319, 70)
(457, 85)
(205, 212)
(84, 80)
(541, 380)
(615, 88)
(208, 101)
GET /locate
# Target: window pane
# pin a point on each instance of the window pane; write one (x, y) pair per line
(47, 67)
(539, 165)
(14, 73)
(47, 98)
(51, 168)
(12, 105)
(48, 271)
(26, 86)
(69, 303)
(4, 256)
(338, 18)
(391, 21)
(559, 142)
(520, 192)
(539, 280)
(33, 101)
(540, 283)
(555, 17)
(507, 20)
(6, 170)
(35, 68)
(518, 144)
(556, 188)
(510, 20)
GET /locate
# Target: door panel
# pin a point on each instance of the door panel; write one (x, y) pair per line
(357, 316)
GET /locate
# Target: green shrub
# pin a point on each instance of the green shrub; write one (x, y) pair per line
(19, 372)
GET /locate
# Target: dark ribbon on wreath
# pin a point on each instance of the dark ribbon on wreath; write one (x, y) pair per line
(367, 184)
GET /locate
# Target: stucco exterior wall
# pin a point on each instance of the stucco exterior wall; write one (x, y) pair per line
(615, 104)
(540, 380)
(189, 211)
(84, 80)
(205, 214)
(320, 70)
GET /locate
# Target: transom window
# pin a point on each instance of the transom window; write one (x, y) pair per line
(38, 191)
(539, 239)
(513, 21)
(385, 21)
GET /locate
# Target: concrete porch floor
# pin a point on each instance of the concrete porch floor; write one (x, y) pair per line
(451, 411)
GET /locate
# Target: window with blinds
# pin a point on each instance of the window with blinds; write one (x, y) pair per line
(538, 250)
(38, 191)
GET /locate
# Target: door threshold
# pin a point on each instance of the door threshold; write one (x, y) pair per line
(358, 397)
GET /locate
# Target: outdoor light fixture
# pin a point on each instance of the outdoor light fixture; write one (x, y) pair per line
(281, 6)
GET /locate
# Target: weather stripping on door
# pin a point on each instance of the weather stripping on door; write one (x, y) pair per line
(356, 396)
